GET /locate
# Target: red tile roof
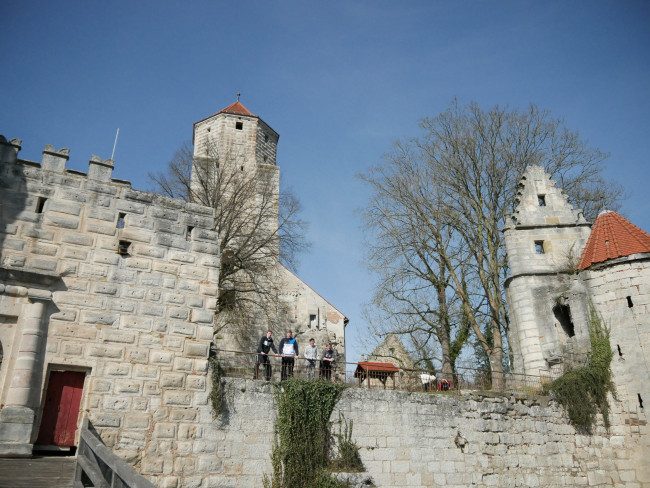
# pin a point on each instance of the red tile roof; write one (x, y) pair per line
(236, 109)
(370, 366)
(613, 237)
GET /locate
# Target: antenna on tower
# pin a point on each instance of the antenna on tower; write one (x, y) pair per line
(238, 95)
(115, 144)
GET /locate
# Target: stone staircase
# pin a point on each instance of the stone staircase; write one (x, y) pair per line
(37, 472)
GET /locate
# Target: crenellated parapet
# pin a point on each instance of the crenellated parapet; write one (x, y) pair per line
(55, 160)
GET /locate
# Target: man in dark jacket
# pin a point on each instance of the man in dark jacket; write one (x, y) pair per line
(289, 352)
(327, 362)
(266, 345)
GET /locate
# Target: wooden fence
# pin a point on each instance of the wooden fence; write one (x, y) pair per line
(97, 466)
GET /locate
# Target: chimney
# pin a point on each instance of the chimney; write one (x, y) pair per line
(100, 170)
(9, 150)
(54, 160)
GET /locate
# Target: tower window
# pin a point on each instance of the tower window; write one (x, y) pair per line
(239, 125)
(541, 200)
(312, 321)
(629, 302)
(188, 234)
(120, 220)
(123, 248)
(40, 204)
(266, 138)
(391, 351)
(563, 315)
(620, 353)
(539, 247)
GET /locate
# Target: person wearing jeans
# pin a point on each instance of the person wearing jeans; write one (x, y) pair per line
(289, 353)
(311, 355)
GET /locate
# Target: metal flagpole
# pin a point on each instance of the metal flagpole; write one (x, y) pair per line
(115, 144)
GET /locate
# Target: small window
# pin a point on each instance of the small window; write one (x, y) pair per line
(120, 220)
(266, 138)
(265, 159)
(620, 353)
(629, 302)
(239, 125)
(539, 247)
(541, 200)
(188, 234)
(391, 351)
(40, 204)
(312, 321)
(640, 400)
(123, 248)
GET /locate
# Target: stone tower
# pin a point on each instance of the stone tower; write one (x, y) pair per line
(240, 142)
(615, 267)
(236, 134)
(547, 302)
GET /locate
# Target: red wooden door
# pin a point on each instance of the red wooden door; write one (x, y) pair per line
(61, 409)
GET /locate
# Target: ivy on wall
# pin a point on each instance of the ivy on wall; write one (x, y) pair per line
(302, 447)
(216, 392)
(583, 391)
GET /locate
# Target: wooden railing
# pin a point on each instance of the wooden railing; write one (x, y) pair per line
(97, 466)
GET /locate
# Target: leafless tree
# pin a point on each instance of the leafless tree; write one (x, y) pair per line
(258, 227)
(436, 211)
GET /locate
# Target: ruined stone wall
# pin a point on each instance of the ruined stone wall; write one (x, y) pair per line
(424, 440)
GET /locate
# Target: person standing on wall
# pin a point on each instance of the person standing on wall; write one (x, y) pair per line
(289, 352)
(327, 362)
(266, 345)
(311, 355)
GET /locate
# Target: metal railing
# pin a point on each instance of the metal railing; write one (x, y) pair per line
(243, 364)
(97, 466)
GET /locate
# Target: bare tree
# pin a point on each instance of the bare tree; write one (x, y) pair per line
(437, 207)
(258, 227)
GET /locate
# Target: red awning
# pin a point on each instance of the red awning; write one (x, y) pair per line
(366, 367)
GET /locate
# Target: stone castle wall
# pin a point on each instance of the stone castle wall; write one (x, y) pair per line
(121, 285)
(138, 323)
(424, 440)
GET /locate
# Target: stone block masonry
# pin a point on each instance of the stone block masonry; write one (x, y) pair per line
(424, 440)
(129, 306)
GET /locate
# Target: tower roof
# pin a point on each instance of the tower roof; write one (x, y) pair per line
(613, 237)
(236, 109)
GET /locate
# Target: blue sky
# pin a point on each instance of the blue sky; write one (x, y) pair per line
(339, 80)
